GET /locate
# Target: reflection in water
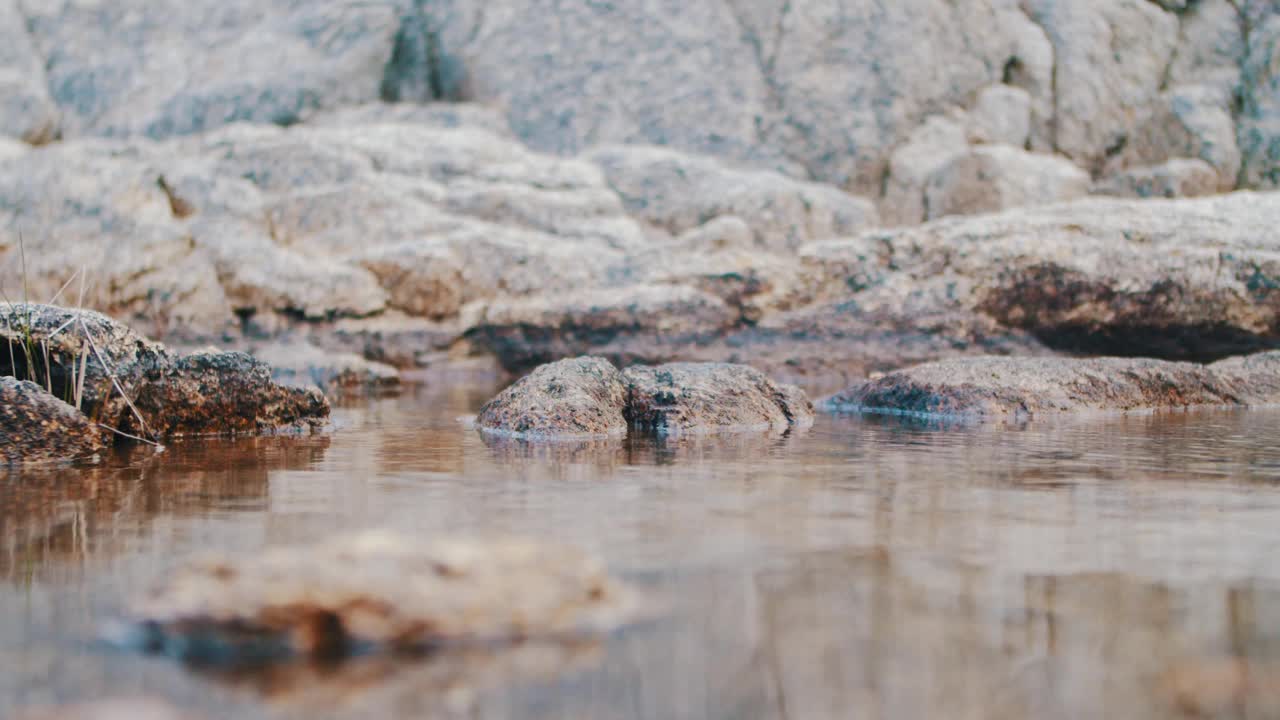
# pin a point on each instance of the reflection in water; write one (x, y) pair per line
(880, 567)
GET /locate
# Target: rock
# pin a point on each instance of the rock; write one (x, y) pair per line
(305, 365)
(573, 398)
(679, 192)
(173, 68)
(1178, 279)
(36, 427)
(378, 591)
(10, 149)
(989, 178)
(1188, 121)
(1257, 375)
(199, 394)
(124, 708)
(1211, 45)
(711, 397)
(392, 338)
(1020, 388)
(1259, 116)
(27, 112)
(640, 323)
(1176, 178)
(931, 147)
(444, 115)
(1001, 115)
(1110, 61)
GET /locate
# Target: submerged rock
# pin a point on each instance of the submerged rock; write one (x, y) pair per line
(576, 397)
(384, 592)
(711, 397)
(38, 427)
(126, 375)
(587, 396)
(1019, 388)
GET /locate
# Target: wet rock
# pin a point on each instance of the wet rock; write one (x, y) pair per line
(632, 324)
(1019, 388)
(569, 398)
(988, 178)
(36, 427)
(678, 192)
(305, 365)
(126, 375)
(377, 591)
(1176, 178)
(711, 397)
(140, 708)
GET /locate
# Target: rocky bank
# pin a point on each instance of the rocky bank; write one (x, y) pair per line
(421, 182)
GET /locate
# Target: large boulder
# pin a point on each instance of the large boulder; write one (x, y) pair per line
(382, 592)
(989, 178)
(711, 397)
(1184, 279)
(579, 397)
(36, 427)
(1019, 388)
(140, 387)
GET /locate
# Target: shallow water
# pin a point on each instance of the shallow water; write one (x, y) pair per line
(877, 567)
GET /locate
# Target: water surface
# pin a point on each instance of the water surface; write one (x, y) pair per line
(870, 567)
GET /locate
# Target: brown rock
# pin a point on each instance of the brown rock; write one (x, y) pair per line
(381, 591)
(576, 397)
(711, 397)
(36, 427)
(203, 393)
(1019, 388)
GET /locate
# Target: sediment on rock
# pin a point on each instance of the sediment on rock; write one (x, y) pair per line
(379, 592)
(139, 387)
(1021, 388)
(36, 427)
(711, 397)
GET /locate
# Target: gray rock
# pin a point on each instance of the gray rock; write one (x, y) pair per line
(304, 365)
(171, 68)
(1187, 121)
(704, 398)
(1110, 61)
(1259, 117)
(1176, 178)
(931, 147)
(27, 112)
(1020, 388)
(679, 192)
(384, 592)
(36, 427)
(1001, 114)
(640, 323)
(573, 398)
(989, 178)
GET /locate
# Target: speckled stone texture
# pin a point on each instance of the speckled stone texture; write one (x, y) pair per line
(578, 397)
(36, 427)
(380, 591)
(999, 387)
(198, 394)
(711, 397)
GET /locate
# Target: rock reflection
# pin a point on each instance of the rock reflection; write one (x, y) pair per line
(79, 513)
(445, 684)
